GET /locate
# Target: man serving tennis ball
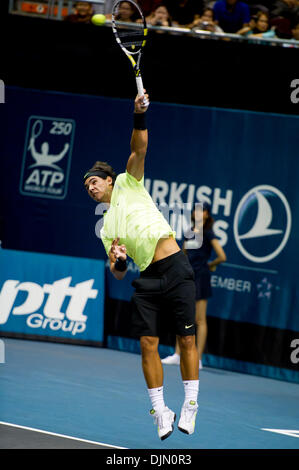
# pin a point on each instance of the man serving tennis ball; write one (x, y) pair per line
(134, 226)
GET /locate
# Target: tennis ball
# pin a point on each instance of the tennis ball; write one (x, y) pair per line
(98, 19)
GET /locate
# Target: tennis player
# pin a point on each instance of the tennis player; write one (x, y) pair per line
(133, 226)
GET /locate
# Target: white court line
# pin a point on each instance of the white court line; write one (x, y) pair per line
(60, 435)
(286, 432)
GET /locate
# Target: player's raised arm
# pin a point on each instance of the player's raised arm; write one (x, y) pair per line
(139, 139)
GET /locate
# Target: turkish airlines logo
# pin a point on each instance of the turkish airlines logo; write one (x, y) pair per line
(263, 214)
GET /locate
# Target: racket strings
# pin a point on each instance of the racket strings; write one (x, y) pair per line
(131, 38)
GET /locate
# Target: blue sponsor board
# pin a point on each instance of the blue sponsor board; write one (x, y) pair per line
(53, 296)
(244, 164)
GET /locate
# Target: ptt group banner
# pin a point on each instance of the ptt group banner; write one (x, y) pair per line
(44, 295)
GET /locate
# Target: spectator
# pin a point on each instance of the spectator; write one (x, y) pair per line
(294, 38)
(206, 22)
(126, 12)
(231, 15)
(259, 5)
(160, 17)
(184, 12)
(83, 13)
(148, 6)
(288, 9)
(259, 27)
(283, 27)
(295, 32)
(199, 259)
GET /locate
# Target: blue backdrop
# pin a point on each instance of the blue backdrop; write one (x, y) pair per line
(243, 163)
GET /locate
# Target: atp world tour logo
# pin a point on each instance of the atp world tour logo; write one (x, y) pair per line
(262, 223)
(47, 157)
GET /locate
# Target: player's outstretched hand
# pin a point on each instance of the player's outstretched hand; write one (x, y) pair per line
(141, 103)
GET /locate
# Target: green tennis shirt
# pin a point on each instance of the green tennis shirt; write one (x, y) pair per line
(135, 219)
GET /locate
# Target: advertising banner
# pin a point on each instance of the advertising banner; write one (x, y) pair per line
(54, 297)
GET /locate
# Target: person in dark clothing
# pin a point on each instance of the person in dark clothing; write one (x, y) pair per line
(231, 15)
(202, 267)
(184, 12)
(83, 13)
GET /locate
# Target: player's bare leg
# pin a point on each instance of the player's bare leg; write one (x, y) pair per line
(189, 371)
(153, 374)
(151, 362)
(202, 327)
(189, 357)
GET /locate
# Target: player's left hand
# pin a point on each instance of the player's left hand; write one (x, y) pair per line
(118, 251)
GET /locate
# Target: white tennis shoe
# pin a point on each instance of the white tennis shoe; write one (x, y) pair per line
(164, 420)
(186, 423)
(174, 359)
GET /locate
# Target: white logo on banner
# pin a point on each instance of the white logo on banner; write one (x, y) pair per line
(44, 158)
(47, 156)
(263, 221)
(73, 320)
(273, 215)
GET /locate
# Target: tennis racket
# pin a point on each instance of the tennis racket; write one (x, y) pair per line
(131, 40)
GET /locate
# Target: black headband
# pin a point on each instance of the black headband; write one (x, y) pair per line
(99, 173)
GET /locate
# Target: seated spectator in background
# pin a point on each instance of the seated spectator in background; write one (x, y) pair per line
(259, 5)
(206, 22)
(288, 9)
(283, 27)
(259, 27)
(148, 6)
(184, 12)
(285, 13)
(159, 17)
(126, 13)
(294, 35)
(83, 13)
(295, 32)
(231, 15)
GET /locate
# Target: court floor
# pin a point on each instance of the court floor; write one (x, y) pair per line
(66, 396)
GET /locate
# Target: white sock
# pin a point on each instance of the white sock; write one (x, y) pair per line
(156, 397)
(191, 390)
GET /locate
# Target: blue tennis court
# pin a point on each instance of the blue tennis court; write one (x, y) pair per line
(98, 396)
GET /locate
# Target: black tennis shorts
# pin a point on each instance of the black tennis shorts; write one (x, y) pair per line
(165, 286)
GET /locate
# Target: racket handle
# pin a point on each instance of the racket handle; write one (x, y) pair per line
(139, 86)
(140, 89)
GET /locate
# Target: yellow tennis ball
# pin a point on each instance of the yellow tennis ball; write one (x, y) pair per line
(98, 19)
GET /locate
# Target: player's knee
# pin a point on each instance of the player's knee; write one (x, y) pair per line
(148, 344)
(187, 342)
